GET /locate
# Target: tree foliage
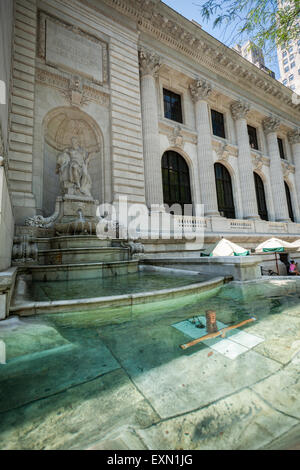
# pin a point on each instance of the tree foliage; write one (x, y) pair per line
(262, 21)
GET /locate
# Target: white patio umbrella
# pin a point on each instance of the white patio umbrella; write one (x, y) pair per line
(227, 248)
(274, 245)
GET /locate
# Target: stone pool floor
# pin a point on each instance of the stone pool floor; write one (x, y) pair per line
(73, 381)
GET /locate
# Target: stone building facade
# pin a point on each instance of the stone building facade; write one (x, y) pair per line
(140, 86)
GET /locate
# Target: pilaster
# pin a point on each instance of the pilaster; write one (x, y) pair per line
(239, 111)
(200, 92)
(271, 125)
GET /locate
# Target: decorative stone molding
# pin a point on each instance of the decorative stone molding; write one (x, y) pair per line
(40, 221)
(258, 162)
(200, 90)
(287, 168)
(168, 130)
(25, 250)
(271, 124)
(239, 109)
(294, 137)
(149, 62)
(74, 90)
(223, 152)
(134, 247)
(176, 138)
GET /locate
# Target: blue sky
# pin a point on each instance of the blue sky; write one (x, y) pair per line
(191, 10)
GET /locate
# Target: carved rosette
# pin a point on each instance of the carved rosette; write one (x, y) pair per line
(200, 90)
(294, 137)
(271, 124)
(149, 63)
(239, 109)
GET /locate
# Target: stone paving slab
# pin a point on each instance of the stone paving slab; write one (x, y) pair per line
(78, 417)
(241, 421)
(283, 389)
(47, 373)
(176, 381)
(281, 335)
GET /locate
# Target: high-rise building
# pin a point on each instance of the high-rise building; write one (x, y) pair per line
(254, 54)
(289, 61)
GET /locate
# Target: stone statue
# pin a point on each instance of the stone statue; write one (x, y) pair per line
(72, 167)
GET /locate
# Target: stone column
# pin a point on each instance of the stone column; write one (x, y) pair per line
(200, 91)
(239, 112)
(271, 125)
(294, 140)
(149, 67)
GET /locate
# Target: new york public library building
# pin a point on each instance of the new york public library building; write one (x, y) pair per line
(166, 113)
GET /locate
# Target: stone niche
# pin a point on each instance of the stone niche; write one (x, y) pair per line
(60, 126)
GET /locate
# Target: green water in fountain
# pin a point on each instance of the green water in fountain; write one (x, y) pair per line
(118, 285)
(73, 378)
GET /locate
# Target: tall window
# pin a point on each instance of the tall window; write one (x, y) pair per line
(289, 202)
(252, 137)
(172, 105)
(217, 120)
(176, 179)
(224, 191)
(260, 196)
(281, 148)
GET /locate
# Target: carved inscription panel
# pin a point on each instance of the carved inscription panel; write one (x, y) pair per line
(73, 52)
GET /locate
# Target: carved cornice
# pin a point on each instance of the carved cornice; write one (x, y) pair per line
(271, 124)
(73, 89)
(239, 109)
(149, 62)
(294, 136)
(200, 90)
(155, 19)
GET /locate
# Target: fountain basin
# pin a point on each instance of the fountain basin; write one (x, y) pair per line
(28, 307)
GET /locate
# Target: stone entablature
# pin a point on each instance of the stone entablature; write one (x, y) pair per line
(154, 18)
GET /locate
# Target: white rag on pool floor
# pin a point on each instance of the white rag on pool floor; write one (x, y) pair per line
(236, 342)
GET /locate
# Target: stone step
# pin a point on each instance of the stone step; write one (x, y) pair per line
(82, 255)
(68, 272)
(77, 242)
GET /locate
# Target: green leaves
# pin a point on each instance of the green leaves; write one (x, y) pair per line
(263, 20)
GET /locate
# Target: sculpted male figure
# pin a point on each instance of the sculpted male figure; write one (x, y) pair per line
(72, 166)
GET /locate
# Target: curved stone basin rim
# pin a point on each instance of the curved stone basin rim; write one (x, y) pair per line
(34, 308)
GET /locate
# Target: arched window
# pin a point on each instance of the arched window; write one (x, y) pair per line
(224, 191)
(176, 179)
(289, 202)
(260, 196)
